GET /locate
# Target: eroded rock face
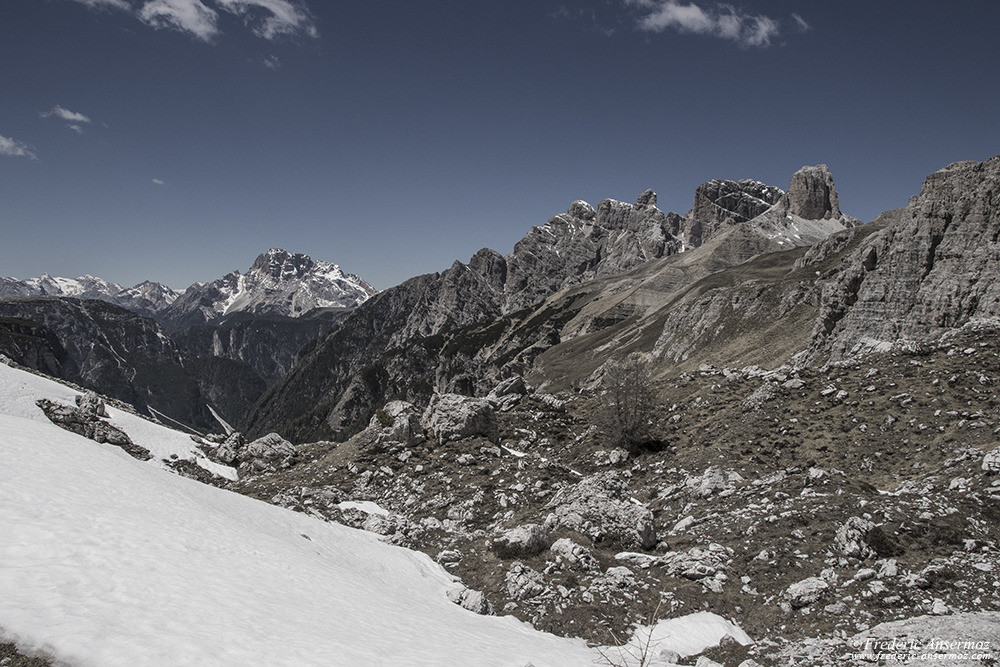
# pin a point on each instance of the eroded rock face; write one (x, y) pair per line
(719, 203)
(573, 247)
(601, 507)
(932, 268)
(811, 194)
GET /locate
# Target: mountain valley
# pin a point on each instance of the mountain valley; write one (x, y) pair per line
(763, 409)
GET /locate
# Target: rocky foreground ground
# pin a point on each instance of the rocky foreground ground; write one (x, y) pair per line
(838, 515)
(811, 506)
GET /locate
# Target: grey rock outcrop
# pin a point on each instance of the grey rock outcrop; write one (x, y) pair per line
(811, 195)
(600, 506)
(91, 403)
(265, 454)
(851, 538)
(397, 422)
(472, 600)
(573, 555)
(86, 422)
(696, 563)
(523, 582)
(991, 462)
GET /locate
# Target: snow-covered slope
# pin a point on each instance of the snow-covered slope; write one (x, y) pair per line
(279, 283)
(20, 389)
(107, 561)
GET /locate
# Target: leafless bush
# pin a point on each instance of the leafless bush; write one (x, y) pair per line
(629, 403)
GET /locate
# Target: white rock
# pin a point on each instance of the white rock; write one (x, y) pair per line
(805, 592)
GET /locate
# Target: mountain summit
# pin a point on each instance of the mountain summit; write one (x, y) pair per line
(278, 283)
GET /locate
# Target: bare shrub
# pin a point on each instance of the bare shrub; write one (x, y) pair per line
(628, 404)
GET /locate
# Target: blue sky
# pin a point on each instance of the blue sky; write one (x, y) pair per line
(174, 140)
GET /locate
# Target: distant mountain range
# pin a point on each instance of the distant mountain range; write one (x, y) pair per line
(279, 283)
(211, 349)
(147, 298)
(465, 328)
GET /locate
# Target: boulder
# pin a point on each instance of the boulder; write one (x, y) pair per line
(266, 454)
(229, 451)
(572, 554)
(806, 592)
(991, 462)
(601, 507)
(523, 582)
(396, 422)
(711, 481)
(850, 538)
(696, 563)
(452, 417)
(526, 540)
(472, 600)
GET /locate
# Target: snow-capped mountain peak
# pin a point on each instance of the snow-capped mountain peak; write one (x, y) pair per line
(277, 283)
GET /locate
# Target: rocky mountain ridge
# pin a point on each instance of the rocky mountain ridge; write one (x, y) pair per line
(393, 344)
(279, 283)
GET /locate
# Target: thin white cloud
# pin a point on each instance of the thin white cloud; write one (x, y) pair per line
(185, 15)
(272, 62)
(158, 181)
(722, 20)
(269, 19)
(801, 24)
(272, 18)
(106, 4)
(76, 128)
(15, 148)
(65, 114)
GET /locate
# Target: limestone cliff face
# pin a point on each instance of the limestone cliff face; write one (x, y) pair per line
(722, 203)
(811, 195)
(932, 268)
